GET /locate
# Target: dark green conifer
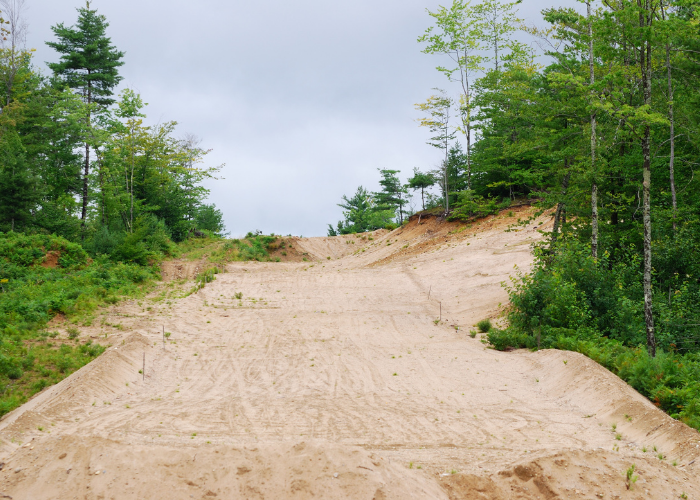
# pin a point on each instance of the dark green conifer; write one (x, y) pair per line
(89, 64)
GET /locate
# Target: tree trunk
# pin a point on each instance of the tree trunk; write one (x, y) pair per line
(672, 160)
(560, 206)
(594, 186)
(86, 173)
(645, 66)
(447, 191)
(671, 120)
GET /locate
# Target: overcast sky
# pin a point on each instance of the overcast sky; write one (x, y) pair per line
(303, 101)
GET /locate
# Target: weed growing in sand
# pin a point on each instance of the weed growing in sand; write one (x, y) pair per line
(73, 333)
(661, 456)
(484, 325)
(472, 334)
(674, 463)
(644, 449)
(684, 496)
(614, 427)
(630, 477)
(618, 437)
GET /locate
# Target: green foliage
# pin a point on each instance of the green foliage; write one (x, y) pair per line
(255, 246)
(572, 302)
(210, 218)
(87, 57)
(45, 276)
(470, 205)
(484, 325)
(362, 214)
(203, 278)
(422, 181)
(392, 197)
(630, 477)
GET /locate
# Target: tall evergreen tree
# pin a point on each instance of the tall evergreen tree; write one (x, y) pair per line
(421, 181)
(89, 65)
(392, 196)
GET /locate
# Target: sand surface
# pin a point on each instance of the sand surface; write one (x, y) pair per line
(352, 375)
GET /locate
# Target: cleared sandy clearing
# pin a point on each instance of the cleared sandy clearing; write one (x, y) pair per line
(335, 382)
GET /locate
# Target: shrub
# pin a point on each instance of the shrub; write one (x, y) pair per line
(470, 205)
(574, 303)
(484, 325)
(47, 275)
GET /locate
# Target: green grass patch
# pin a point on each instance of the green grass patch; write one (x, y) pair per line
(43, 276)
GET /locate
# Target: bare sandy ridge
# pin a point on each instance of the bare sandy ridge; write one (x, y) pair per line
(330, 379)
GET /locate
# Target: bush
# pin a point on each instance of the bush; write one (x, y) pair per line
(47, 275)
(484, 325)
(573, 303)
(470, 205)
(504, 340)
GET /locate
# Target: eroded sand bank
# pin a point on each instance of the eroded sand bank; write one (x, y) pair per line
(331, 379)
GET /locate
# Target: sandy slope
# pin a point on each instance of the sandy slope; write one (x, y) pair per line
(331, 380)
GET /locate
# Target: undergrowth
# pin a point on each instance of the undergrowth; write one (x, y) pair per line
(43, 276)
(574, 303)
(254, 246)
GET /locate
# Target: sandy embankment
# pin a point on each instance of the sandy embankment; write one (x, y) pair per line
(330, 379)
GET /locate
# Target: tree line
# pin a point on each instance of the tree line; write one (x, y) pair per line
(80, 162)
(593, 115)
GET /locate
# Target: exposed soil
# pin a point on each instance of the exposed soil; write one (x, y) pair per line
(51, 259)
(348, 377)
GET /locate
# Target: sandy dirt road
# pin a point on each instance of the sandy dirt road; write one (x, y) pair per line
(348, 377)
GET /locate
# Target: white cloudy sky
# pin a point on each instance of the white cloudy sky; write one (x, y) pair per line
(303, 101)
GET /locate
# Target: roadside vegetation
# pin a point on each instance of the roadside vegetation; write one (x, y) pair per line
(573, 302)
(92, 198)
(44, 277)
(592, 112)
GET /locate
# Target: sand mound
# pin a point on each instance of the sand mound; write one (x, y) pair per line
(68, 467)
(576, 474)
(335, 366)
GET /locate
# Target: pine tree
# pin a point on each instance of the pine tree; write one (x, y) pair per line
(18, 186)
(421, 181)
(89, 64)
(392, 196)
